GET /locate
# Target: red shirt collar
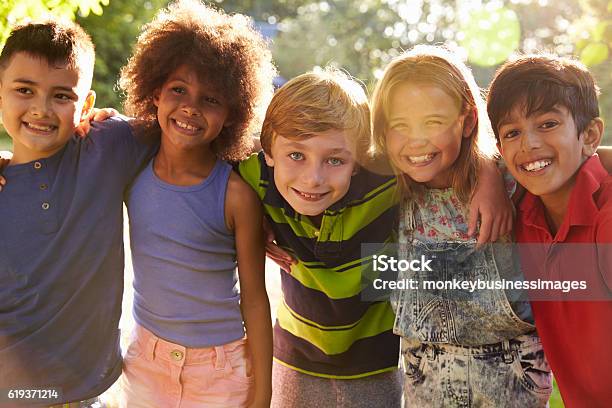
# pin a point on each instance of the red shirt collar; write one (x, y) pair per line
(582, 209)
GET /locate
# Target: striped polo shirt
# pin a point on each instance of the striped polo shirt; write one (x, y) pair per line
(323, 326)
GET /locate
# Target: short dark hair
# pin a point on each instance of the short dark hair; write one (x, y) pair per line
(60, 43)
(224, 49)
(537, 83)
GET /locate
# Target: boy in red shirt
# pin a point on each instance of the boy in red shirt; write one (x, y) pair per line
(545, 115)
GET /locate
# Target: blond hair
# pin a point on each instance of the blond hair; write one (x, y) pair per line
(437, 66)
(315, 102)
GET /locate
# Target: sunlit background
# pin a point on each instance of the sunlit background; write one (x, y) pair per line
(359, 36)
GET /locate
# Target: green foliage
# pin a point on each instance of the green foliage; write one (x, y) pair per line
(16, 11)
(490, 35)
(594, 53)
(114, 34)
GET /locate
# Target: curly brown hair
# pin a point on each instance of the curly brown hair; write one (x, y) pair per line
(225, 49)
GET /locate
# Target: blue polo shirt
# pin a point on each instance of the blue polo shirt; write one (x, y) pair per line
(61, 263)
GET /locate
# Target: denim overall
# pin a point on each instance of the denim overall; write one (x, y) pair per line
(462, 348)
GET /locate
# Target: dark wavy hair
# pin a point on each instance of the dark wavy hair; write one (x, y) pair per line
(538, 82)
(224, 49)
(59, 43)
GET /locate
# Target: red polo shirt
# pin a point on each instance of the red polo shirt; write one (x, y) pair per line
(577, 335)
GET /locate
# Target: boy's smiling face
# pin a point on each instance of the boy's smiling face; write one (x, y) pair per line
(544, 151)
(41, 105)
(314, 173)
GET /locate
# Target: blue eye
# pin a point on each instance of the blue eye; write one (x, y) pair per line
(334, 161)
(296, 156)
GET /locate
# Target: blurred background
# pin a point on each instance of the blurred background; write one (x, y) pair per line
(360, 36)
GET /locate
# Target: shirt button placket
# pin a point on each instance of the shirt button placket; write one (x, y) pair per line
(49, 221)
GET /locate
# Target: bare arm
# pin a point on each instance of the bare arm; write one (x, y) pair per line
(244, 215)
(490, 202)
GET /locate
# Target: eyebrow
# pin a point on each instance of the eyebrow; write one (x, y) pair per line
(30, 82)
(430, 116)
(510, 120)
(297, 145)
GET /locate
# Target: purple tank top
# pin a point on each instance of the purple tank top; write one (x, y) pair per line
(184, 257)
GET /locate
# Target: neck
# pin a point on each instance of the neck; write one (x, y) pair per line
(23, 155)
(183, 166)
(556, 205)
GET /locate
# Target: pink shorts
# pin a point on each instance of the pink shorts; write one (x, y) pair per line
(158, 373)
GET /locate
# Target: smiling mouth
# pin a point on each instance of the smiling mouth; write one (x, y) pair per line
(535, 166)
(186, 126)
(309, 196)
(421, 160)
(39, 128)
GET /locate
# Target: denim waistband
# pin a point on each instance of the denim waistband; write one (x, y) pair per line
(506, 347)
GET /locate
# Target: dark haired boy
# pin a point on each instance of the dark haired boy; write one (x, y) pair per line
(545, 115)
(61, 228)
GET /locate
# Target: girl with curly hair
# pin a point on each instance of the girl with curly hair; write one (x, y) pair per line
(197, 77)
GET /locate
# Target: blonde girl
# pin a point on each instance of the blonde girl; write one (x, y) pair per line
(460, 348)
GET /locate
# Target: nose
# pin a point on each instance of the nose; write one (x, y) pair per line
(411, 138)
(40, 107)
(531, 140)
(313, 175)
(190, 109)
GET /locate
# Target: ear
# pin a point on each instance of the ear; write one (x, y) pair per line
(156, 97)
(592, 137)
(90, 101)
(269, 160)
(469, 122)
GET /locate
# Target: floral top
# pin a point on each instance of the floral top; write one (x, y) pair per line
(440, 216)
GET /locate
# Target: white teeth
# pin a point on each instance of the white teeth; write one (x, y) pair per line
(421, 159)
(536, 165)
(309, 195)
(186, 126)
(40, 127)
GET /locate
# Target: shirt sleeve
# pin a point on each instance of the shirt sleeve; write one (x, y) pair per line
(604, 244)
(121, 147)
(251, 170)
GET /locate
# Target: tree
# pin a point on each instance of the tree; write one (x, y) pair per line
(114, 34)
(16, 11)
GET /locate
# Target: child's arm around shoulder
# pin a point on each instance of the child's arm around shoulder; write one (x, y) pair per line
(243, 215)
(490, 201)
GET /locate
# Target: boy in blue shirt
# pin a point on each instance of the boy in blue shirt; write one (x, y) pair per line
(61, 234)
